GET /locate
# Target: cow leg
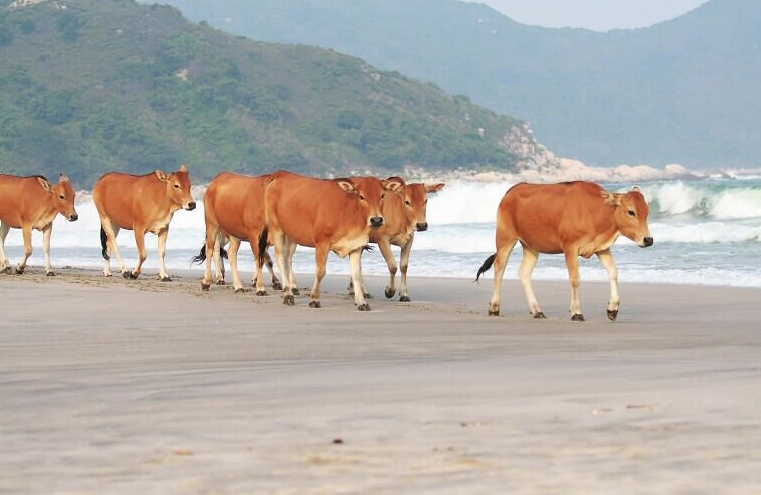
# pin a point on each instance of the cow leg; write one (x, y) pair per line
(26, 233)
(210, 248)
(163, 234)
(606, 258)
(291, 276)
(5, 265)
(232, 256)
(258, 279)
(281, 255)
(320, 261)
(501, 258)
(46, 231)
(530, 258)
(388, 255)
(276, 285)
(219, 263)
(355, 260)
(140, 241)
(572, 263)
(111, 233)
(404, 262)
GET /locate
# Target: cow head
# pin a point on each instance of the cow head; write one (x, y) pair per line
(369, 193)
(631, 215)
(415, 199)
(62, 195)
(178, 187)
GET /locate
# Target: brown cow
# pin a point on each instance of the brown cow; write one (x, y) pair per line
(404, 213)
(143, 203)
(29, 203)
(573, 218)
(330, 215)
(234, 210)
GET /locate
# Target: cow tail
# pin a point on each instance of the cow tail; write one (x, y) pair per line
(104, 244)
(485, 267)
(201, 256)
(262, 247)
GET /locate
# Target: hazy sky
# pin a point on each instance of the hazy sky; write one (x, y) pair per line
(598, 15)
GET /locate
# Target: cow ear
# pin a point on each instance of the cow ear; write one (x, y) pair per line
(45, 184)
(610, 197)
(432, 188)
(161, 175)
(394, 184)
(183, 168)
(63, 178)
(347, 185)
(636, 189)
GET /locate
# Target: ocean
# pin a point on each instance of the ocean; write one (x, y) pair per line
(707, 231)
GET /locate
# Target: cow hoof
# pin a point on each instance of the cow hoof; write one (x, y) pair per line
(289, 300)
(493, 313)
(220, 282)
(261, 293)
(612, 315)
(390, 292)
(238, 290)
(277, 286)
(368, 295)
(205, 287)
(19, 271)
(404, 299)
(130, 275)
(50, 274)
(7, 270)
(295, 291)
(577, 317)
(539, 315)
(364, 307)
(165, 278)
(314, 304)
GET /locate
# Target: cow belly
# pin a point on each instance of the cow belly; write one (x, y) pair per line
(345, 246)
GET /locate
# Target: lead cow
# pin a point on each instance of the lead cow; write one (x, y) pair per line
(573, 218)
(31, 203)
(326, 214)
(143, 203)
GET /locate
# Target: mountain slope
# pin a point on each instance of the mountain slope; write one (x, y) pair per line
(88, 86)
(680, 91)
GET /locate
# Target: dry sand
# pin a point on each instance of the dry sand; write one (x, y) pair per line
(110, 386)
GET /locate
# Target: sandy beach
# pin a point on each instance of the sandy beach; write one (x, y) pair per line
(109, 386)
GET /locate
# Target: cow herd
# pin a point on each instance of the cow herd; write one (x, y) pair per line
(345, 215)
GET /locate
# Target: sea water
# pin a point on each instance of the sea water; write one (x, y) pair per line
(706, 231)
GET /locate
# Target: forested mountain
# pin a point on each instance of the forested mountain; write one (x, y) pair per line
(681, 91)
(88, 86)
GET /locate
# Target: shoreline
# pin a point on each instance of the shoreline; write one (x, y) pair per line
(121, 387)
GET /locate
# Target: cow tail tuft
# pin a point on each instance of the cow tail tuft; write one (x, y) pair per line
(485, 267)
(104, 244)
(201, 256)
(223, 252)
(262, 247)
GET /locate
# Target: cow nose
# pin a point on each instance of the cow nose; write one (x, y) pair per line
(191, 206)
(422, 226)
(73, 217)
(647, 241)
(376, 221)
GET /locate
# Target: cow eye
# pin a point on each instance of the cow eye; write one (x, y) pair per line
(632, 213)
(176, 186)
(362, 197)
(61, 196)
(407, 202)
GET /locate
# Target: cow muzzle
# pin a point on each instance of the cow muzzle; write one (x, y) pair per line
(73, 217)
(376, 222)
(422, 226)
(191, 206)
(647, 242)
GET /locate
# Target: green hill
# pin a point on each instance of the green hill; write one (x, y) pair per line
(683, 91)
(88, 86)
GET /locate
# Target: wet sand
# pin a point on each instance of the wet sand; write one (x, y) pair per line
(109, 386)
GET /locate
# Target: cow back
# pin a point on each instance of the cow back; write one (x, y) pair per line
(235, 203)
